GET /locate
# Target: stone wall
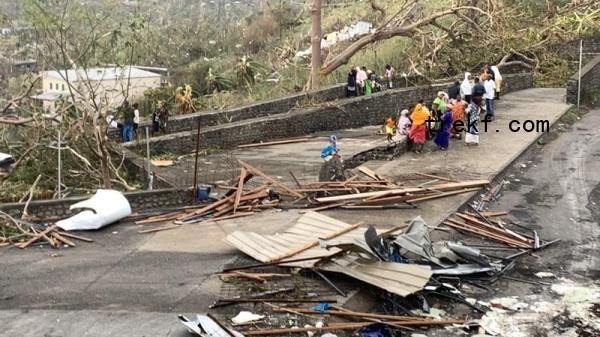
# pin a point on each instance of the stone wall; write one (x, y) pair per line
(351, 113)
(570, 49)
(590, 84)
(260, 109)
(139, 200)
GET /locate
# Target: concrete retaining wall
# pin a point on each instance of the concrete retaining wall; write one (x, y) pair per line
(139, 200)
(590, 84)
(351, 113)
(259, 109)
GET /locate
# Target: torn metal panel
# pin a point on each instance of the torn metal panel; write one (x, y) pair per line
(309, 227)
(469, 254)
(398, 278)
(103, 208)
(416, 240)
(464, 269)
(206, 327)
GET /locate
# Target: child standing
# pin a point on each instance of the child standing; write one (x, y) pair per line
(390, 127)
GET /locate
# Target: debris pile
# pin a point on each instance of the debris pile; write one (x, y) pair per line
(103, 208)
(23, 234)
(412, 273)
(365, 190)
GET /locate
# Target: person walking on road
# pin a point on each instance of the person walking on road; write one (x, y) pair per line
(472, 119)
(490, 93)
(418, 130)
(466, 89)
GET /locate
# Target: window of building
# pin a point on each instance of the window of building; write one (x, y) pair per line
(63, 87)
(50, 85)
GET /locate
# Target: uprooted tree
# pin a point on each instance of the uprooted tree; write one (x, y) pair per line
(444, 41)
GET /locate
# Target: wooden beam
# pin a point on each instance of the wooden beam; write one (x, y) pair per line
(275, 142)
(240, 189)
(442, 195)
(440, 187)
(36, 237)
(314, 243)
(257, 172)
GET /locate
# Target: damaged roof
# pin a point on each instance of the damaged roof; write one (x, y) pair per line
(309, 228)
(398, 278)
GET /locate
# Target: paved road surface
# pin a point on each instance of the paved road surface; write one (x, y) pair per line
(134, 284)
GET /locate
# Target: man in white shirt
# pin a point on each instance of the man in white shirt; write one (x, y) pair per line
(136, 119)
(490, 93)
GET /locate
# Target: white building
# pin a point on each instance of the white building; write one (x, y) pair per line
(106, 86)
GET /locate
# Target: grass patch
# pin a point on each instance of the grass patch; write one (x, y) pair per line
(570, 116)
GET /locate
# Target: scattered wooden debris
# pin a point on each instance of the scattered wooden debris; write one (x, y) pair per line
(374, 192)
(22, 234)
(276, 142)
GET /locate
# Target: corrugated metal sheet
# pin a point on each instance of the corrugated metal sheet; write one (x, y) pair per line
(310, 227)
(398, 278)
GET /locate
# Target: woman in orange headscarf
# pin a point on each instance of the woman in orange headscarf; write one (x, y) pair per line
(418, 130)
(458, 118)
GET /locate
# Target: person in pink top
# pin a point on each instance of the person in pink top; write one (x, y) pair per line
(361, 77)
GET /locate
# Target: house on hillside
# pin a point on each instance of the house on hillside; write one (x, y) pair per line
(107, 86)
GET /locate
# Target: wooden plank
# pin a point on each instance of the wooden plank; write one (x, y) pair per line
(77, 237)
(441, 187)
(36, 237)
(491, 214)
(434, 176)
(369, 173)
(240, 189)
(275, 142)
(314, 243)
(226, 217)
(62, 239)
(442, 195)
(295, 180)
(257, 172)
(324, 207)
(479, 231)
(285, 331)
(499, 230)
(158, 229)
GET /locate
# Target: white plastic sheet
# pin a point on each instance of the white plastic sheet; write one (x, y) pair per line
(103, 208)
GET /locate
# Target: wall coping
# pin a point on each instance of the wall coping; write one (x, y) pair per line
(586, 68)
(73, 200)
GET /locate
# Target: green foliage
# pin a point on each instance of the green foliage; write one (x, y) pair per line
(553, 71)
(216, 82)
(246, 71)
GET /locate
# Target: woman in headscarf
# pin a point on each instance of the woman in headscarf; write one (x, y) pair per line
(404, 123)
(497, 79)
(442, 136)
(458, 114)
(418, 130)
(472, 116)
(466, 89)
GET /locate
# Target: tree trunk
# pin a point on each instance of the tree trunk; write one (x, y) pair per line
(315, 43)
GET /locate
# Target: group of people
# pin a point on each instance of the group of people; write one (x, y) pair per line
(452, 112)
(127, 120)
(363, 81)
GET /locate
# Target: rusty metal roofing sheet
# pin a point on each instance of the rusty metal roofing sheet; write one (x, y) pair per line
(398, 278)
(309, 227)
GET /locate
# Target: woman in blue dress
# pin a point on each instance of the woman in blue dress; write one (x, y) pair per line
(442, 136)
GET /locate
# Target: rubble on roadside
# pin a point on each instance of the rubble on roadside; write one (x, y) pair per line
(364, 191)
(412, 273)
